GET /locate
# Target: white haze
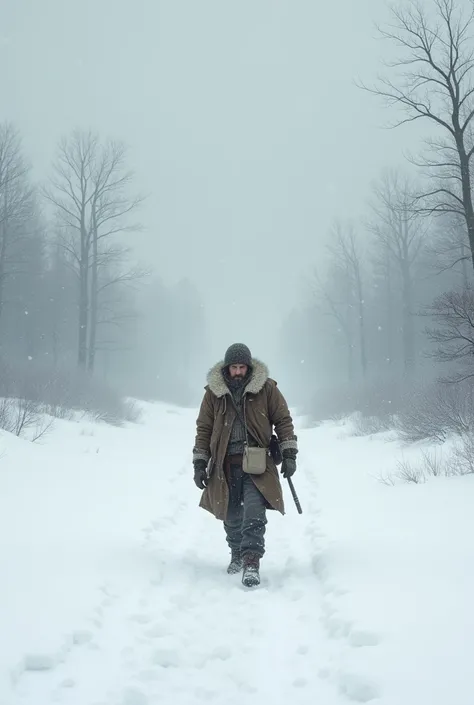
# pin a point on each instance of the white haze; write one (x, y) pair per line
(245, 126)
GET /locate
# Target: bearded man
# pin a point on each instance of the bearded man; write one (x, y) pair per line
(232, 461)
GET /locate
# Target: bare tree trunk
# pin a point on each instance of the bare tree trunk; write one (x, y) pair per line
(89, 191)
(15, 200)
(55, 345)
(435, 85)
(361, 305)
(465, 174)
(83, 298)
(465, 279)
(401, 236)
(350, 360)
(83, 318)
(3, 249)
(94, 295)
(389, 307)
(407, 300)
(4, 246)
(347, 255)
(408, 328)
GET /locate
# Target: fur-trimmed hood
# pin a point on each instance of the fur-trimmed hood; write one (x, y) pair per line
(218, 386)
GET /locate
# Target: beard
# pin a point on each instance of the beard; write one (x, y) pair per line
(235, 382)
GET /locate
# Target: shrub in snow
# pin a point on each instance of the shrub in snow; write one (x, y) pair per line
(369, 425)
(62, 390)
(24, 417)
(462, 462)
(374, 402)
(459, 461)
(410, 473)
(437, 411)
(131, 412)
(431, 464)
(453, 331)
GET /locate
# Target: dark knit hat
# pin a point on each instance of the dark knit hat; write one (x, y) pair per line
(238, 354)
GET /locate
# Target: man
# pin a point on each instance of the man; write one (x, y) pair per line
(241, 405)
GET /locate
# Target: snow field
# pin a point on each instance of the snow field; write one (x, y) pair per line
(404, 560)
(116, 590)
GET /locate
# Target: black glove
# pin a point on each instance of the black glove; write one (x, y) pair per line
(288, 466)
(200, 474)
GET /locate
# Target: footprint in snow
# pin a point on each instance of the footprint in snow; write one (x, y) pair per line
(39, 662)
(98, 624)
(359, 637)
(157, 631)
(243, 686)
(81, 637)
(319, 566)
(205, 694)
(141, 618)
(357, 688)
(222, 653)
(133, 696)
(67, 684)
(300, 683)
(166, 658)
(336, 627)
(302, 650)
(219, 653)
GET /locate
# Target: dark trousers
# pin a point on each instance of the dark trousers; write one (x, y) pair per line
(246, 519)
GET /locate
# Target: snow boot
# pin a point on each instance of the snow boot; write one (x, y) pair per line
(251, 575)
(235, 565)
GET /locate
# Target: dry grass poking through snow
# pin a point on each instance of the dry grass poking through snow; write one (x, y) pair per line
(458, 460)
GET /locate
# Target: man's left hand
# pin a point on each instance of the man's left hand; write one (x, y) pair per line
(288, 467)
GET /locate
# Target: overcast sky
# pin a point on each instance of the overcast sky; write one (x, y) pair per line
(243, 120)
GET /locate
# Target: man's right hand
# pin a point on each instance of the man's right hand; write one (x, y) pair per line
(200, 474)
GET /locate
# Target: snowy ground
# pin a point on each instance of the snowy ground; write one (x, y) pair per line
(113, 588)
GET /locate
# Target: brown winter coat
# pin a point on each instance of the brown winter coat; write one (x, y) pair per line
(265, 407)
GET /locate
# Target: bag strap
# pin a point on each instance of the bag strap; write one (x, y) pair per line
(243, 419)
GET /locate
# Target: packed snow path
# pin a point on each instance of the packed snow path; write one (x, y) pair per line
(118, 593)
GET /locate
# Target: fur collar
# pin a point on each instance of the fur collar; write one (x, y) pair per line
(217, 385)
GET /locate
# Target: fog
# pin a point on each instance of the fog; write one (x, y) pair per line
(246, 129)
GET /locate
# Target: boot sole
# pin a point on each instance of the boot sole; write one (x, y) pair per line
(251, 581)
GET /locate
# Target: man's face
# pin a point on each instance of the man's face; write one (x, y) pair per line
(238, 371)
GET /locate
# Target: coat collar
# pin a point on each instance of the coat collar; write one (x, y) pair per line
(217, 385)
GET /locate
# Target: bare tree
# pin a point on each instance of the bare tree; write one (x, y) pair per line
(385, 279)
(17, 206)
(449, 248)
(117, 309)
(433, 81)
(333, 300)
(347, 259)
(453, 331)
(61, 301)
(89, 190)
(113, 272)
(400, 235)
(436, 411)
